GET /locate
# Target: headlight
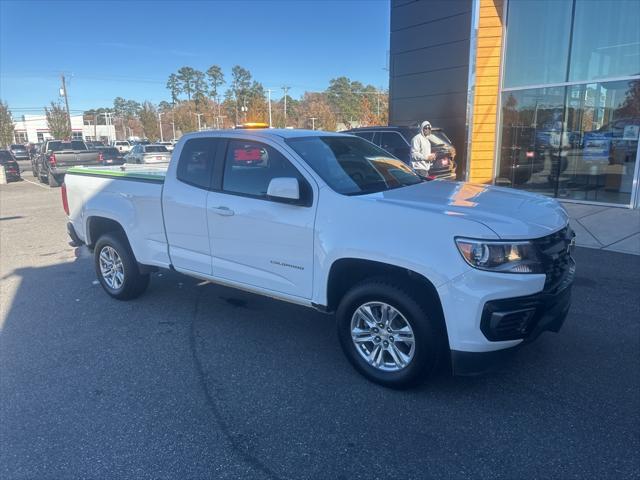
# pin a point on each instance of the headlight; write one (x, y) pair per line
(506, 257)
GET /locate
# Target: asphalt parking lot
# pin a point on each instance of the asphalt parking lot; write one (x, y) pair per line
(194, 380)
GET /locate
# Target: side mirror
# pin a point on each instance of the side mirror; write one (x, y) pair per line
(284, 189)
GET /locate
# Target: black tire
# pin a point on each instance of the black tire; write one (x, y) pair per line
(426, 325)
(52, 180)
(134, 283)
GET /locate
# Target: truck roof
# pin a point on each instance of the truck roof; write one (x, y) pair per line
(265, 133)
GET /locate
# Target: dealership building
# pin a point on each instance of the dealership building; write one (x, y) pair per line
(35, 129)
(539, 95)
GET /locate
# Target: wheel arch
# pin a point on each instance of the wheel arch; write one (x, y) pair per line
(347, 272)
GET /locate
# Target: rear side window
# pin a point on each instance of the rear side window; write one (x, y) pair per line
(196, 162)
(365, 135)
(250, 166)
(156, 149)
(392, 140)
(5, 156)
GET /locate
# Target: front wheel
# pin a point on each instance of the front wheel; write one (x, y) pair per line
(387, 335)
(117, 268)
(52, 180)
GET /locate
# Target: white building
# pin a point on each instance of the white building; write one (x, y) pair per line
(34, 129)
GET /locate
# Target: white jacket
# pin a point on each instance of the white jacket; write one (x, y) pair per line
(421, 151)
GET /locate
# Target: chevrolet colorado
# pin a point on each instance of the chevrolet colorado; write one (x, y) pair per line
(416, 272)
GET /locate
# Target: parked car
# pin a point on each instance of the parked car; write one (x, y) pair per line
(123, 146)
(56, 156)
(111, 156)
(19, 152)
(397, 141)
(169, 145)
(414, 270)
(10, 165)
(148, 154)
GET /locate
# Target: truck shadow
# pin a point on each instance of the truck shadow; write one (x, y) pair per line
(86, 377)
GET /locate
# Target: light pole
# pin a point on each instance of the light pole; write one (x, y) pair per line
(269, 93)
(160, 125)
(313, 122)
(286, 89)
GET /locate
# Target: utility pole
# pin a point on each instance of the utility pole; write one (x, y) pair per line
(313, 122)
(66, 102)
(286, 89)
(95, 127)
(160, 125)
(173, 125)
(269, 94)
(198, 115)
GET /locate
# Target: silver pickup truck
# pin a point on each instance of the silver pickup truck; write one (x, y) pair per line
(56, 156)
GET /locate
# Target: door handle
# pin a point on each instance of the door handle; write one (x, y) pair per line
(224, 211)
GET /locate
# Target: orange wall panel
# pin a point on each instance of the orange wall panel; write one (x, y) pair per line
(485, 101)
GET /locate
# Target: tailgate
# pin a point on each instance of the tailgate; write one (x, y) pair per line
(70, 158)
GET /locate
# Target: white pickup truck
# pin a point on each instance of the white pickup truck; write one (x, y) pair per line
(416, 272)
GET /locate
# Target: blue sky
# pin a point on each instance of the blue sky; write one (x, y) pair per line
(129, 48)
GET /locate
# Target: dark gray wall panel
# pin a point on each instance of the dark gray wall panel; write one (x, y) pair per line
(431, 83)
(429, 34)
(450, 55)
(429, 65)
(414, 12)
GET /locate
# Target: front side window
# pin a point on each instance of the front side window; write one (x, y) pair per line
(353, 166)
(250, 166)
(196, 162)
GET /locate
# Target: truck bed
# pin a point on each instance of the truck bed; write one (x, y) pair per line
(128, 171)
(130, 194)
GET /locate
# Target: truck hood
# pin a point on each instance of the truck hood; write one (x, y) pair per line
(511, 214)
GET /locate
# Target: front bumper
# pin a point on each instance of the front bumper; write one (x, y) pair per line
(520, 318)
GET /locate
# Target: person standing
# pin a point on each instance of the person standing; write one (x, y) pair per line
(421, 156)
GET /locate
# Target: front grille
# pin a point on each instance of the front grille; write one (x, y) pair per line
(555, 255)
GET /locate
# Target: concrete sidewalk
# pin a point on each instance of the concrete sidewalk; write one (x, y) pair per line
(605, 228)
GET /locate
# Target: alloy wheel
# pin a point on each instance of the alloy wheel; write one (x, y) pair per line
(382, 336)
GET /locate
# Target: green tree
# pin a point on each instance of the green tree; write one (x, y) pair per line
(58, 121)
(216, 80)
(148, 116)
(6, 125)
(173, 85)
(186, 77)
(344, 97)
(199, 88)
(240, 89)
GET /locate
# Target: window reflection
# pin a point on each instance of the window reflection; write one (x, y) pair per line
(606, 40)
(578, 142)
(604, 121)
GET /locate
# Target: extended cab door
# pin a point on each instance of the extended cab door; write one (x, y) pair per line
(184, 203)
(255, 240)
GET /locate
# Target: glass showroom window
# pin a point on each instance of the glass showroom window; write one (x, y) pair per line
(606, 40)
(600, 141)
(531, 149)
(538, 33)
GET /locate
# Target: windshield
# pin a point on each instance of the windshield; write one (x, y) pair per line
(353, 166)
(18, 147)
(155, 149)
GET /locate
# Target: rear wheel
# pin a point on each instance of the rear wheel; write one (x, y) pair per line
(387, 335)
(117, 268)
